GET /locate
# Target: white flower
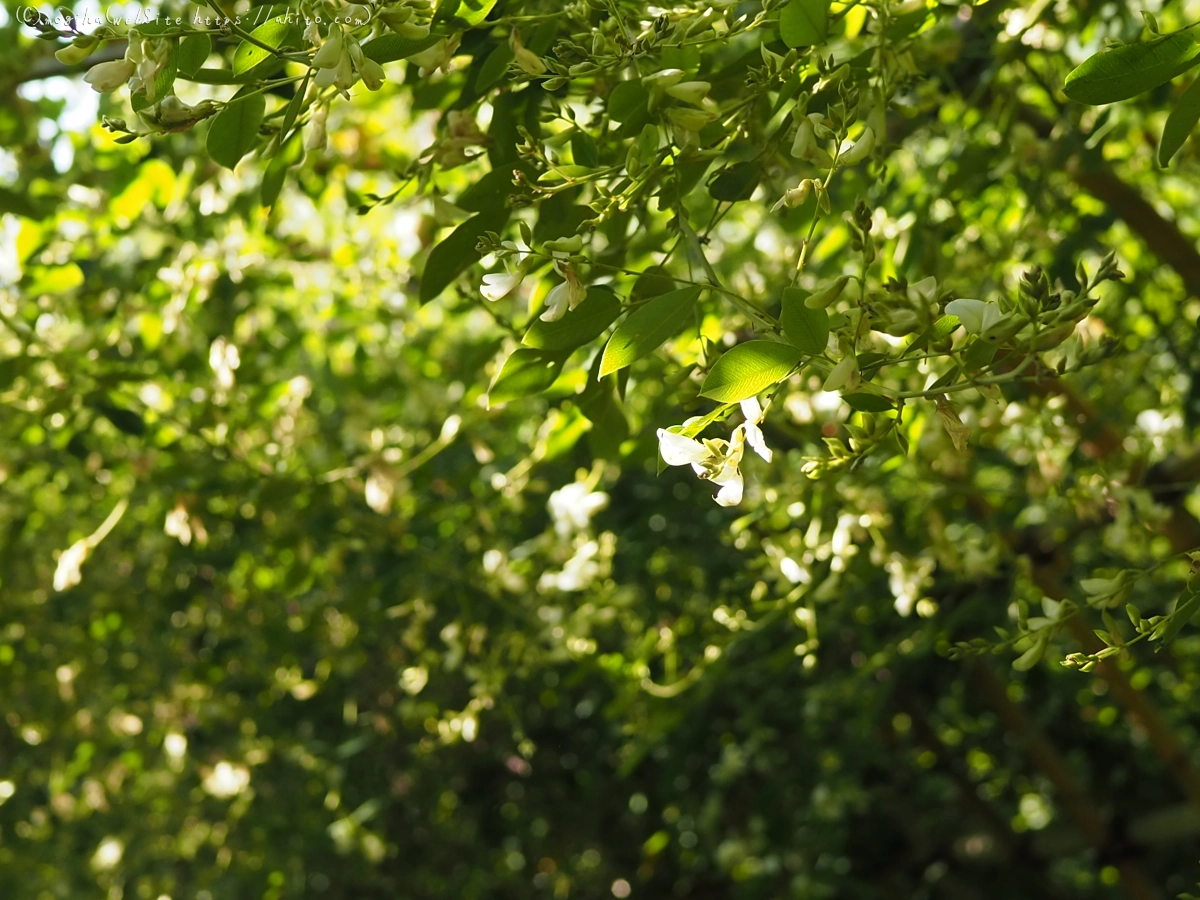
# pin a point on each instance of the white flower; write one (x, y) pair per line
(715, 461)
(177, 524)
(331, 51)
(378, 491)
(556, 302)
(754, 437)
(67, 575)
(223, 358)
(108, 76)
(577, 574)
(317, 136)
(975, 315)
(690, 91)
(573, 506)
(372, 74)
(499, 285)
(227, 780)
(678, 450)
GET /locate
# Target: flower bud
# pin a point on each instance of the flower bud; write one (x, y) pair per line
(330, 53)
(411, 31)
(841, 373)
(860, 149)
(76, 51)
(372, 74)
(828, 294)
(692, 92)
(108, 76)
(664, 79)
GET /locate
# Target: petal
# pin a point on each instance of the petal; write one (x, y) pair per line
(970, 312)
(731, 487)
(556, 303)
(678, 450)
(754, 437)
(752, 410)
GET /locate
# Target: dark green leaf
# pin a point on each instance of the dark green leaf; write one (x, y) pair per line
(580, 326)
(748, 369)
(494, 67)
(807, 329)
(1180, 123)
(457, 252)
(584, 149)
(647, 327)
(736, 182)
(193, 52)
(390, 47)
(124, 419)
(1127, 71)
(273, 34)
(628, 101)
(526, 372)
(864, 401)
(234, 130)
(803, 23)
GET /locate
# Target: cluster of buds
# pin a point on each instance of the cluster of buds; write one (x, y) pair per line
(438, 56)
(409, 19)
(339, 59)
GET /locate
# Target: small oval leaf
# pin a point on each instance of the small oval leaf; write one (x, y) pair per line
(748, 369)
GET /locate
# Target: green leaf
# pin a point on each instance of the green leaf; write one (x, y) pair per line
(1180, 123)
(609, 426)
(628, 101)
(584, 149)
(864, 401)
(647, 327)
(526, 372)
(653, 282)
(494, 67)
(248, 55)
(1127, 71)
(1186, 607)
(748, 369)
(234, 130)
(803, 23)
(193, 52)
(125, 420)
(276, 173)
(464, 12)
(580, 326)
(736, 182)
(293, 108)
(390, 47)
(451, 257)
(487, 193)
(807, 329)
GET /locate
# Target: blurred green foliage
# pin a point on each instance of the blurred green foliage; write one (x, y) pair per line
(289, 609)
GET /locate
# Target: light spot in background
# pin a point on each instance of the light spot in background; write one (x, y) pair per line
(175, 745)
(227, 780)
(7, 789)
(620, 888)
(108, 854)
